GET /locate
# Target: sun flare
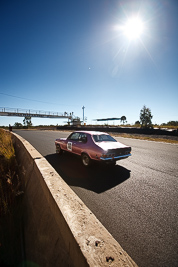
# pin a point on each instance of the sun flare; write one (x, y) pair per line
(133, 28)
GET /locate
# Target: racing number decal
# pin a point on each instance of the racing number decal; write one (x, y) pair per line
(69, 146)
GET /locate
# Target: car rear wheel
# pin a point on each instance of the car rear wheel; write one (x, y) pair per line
(58, 149)
(86, 160)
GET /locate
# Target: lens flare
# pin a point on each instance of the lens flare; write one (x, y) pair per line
(133, 28)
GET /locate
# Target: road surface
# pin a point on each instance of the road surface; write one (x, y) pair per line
(136, 200)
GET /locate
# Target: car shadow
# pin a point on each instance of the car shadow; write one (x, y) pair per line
(98, 177)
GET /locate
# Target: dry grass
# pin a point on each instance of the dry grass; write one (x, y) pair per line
(149, 138)
(9, 181)
(11, 208)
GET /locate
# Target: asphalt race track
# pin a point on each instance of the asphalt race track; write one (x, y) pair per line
(136, 200)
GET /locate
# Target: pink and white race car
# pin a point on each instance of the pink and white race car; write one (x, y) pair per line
(93, 146)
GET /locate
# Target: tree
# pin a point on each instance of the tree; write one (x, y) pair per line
(18, 125)
(123, 119)
(172, 123)
(27, 121)
(145, 117)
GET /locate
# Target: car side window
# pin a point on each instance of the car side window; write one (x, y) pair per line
(83, 138)
(74, 136)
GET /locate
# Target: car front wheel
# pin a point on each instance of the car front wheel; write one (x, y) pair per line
(58, 149)
(86, 160)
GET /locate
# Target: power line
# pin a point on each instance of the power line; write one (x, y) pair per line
(34, 100)
(24, 98)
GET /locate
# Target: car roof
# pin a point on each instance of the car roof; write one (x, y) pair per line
(92, 132)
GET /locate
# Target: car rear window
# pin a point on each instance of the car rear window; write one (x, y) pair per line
(103, 138)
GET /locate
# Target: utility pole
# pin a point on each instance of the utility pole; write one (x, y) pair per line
(83, 113)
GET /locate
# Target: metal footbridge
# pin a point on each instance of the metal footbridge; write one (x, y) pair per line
(16, 112)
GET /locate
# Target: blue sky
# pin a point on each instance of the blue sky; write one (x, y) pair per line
(62, 55)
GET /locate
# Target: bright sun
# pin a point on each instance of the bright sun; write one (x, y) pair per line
(133, 28)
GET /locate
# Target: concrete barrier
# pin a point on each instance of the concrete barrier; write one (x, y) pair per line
(58, 229)
(128, 130)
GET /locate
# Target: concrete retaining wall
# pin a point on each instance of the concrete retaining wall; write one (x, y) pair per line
(58, 229)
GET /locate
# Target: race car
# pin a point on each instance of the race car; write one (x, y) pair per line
(93, 146)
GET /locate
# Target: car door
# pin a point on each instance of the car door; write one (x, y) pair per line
(72, 142)
(80, 144)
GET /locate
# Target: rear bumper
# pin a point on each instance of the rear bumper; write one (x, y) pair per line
(115, 158)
